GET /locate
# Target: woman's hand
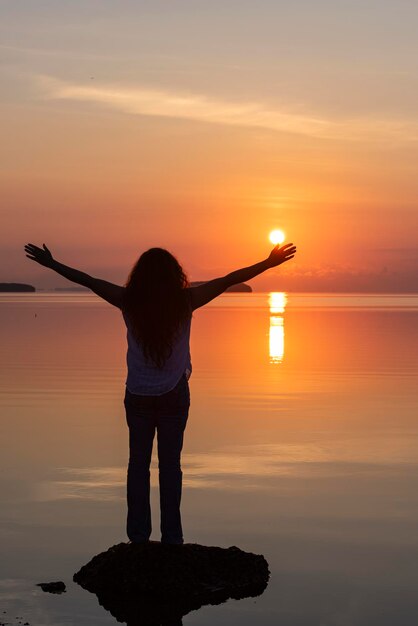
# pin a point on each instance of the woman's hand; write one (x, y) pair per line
(41, 256)
(281, 254)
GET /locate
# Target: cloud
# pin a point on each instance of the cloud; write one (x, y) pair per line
(201, 108)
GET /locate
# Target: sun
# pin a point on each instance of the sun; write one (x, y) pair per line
(277, 236)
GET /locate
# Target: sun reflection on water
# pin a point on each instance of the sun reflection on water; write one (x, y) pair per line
(277, 304)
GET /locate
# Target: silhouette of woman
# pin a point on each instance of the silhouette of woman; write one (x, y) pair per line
(157, 304)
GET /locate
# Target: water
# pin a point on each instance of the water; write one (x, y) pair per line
(302, 445)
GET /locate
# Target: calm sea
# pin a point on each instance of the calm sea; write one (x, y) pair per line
(301, 444)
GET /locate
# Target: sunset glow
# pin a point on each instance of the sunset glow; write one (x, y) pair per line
(130, 130)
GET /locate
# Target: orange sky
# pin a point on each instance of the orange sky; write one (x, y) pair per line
(125, 129)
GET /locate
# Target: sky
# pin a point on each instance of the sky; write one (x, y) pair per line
(200, 127)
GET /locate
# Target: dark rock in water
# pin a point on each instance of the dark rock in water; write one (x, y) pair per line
(56, 587)
(154, 583)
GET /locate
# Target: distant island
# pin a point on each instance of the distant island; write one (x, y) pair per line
(16, 287)
(239, 287)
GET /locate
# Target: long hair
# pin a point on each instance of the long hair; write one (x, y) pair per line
(156, 303)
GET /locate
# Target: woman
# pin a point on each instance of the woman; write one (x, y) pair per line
(157, 303)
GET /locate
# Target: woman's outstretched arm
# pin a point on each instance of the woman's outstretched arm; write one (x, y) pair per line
(202, 294)
(108, 291)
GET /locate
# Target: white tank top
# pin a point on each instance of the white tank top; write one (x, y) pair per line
(144, 377)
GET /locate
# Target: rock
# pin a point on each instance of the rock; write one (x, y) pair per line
(154, 583)
(55, 587)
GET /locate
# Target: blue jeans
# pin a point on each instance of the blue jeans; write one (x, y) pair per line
(168, 415)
